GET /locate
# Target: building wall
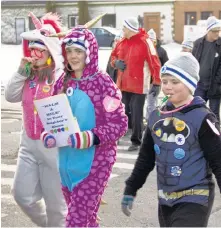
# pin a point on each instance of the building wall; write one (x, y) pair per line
(180, 7)
(8, 16)
(123, 11)
(66, 10)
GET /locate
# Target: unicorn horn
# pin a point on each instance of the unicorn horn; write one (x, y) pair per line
(92, 22)
(88, 25)
(35, 21)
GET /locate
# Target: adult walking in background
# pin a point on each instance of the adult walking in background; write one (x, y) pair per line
(207, 51)
(187, 46)
(111, 70)
(162, 54)
(136, 60)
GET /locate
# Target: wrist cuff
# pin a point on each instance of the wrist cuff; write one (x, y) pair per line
(22, 71)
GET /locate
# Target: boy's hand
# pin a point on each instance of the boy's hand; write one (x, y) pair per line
(127, 204)
(155, 90)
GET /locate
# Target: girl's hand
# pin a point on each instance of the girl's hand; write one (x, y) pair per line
(25, 60)
(48, 140)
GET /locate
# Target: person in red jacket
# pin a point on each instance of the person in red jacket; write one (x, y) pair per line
(136, 59)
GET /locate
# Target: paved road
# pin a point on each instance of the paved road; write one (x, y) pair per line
(145, 208)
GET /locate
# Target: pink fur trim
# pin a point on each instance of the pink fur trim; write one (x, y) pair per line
(54, 20)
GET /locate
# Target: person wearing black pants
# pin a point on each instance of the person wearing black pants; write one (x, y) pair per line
(183, 140)
(134, 104)
(176, 216)
(136, 61)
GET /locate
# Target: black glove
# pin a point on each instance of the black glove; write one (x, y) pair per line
(155, 90)
(119, 64)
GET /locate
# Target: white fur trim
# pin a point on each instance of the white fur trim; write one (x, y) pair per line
(36, 45)
(75, 45)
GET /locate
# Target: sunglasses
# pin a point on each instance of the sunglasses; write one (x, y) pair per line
(38, 53)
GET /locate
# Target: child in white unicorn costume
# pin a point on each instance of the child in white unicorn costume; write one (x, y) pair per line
(37, 175)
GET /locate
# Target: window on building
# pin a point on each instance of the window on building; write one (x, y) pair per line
(72, 21)
(205, 15)
(220, 15)
(31, 25)
(109, 20)
(190, 18)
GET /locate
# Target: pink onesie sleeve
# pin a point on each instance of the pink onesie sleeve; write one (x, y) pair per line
(58, 86)
(112, 112)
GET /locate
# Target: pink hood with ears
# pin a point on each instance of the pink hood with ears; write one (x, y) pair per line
(81, 33)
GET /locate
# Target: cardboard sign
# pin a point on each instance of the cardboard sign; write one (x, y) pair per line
(57, 118)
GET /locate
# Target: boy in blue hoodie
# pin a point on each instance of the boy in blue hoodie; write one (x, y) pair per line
(183, 140)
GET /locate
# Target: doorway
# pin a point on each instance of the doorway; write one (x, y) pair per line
(152, 20)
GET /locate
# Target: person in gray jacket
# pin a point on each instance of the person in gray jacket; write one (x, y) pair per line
(163, 57)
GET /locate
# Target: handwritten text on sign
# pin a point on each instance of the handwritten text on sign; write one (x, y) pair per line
(57, 118)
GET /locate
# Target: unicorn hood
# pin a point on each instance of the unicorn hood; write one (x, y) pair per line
(47, 25)
(85, 37)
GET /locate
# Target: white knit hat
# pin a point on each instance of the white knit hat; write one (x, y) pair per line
(184, 67)
(132, 24)
(188, 44)
(213, 22)
(37, 44)
(152, 35)
(75, 42)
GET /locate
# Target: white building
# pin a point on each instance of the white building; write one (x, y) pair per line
(156, 14)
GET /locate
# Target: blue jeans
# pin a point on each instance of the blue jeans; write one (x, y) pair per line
(214, 103)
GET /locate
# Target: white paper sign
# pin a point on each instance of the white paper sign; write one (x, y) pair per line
(57, 118)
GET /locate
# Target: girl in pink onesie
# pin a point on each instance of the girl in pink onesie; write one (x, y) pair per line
(86, 164)
(37, 176)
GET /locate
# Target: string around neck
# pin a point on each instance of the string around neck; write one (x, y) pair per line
(164, 100)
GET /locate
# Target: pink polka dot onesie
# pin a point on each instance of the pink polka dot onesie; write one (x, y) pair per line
(96, 103)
